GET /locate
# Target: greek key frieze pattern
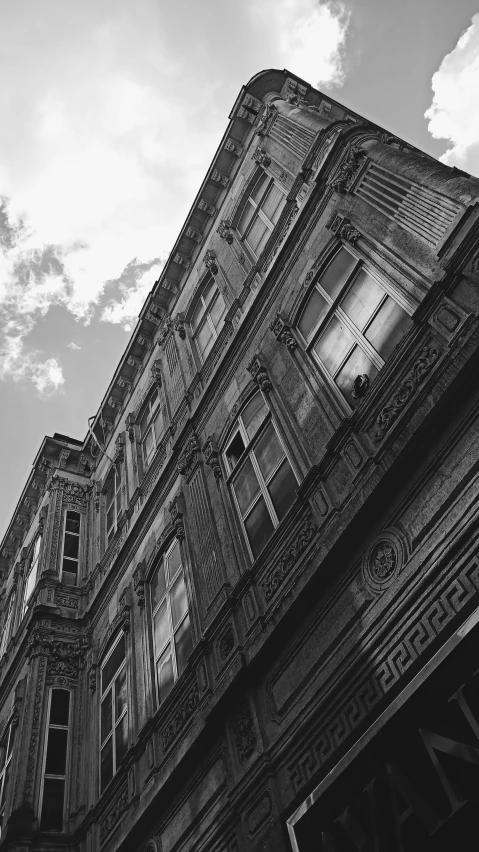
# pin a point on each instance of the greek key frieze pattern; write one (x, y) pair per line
(384, 676)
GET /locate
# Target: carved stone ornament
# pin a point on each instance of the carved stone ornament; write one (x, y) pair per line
(259, 375)
(244, 734)
(74, 493)
(343, 229)
(211, 456)
(176, 509)
(188, 456)
(181, 716)
(226, 643)
(114, 403)
(124, 609)
(349, 171)
(210, 262)
(233, 147)
(119, 450)
(144, 341)
(133, 362)
(194, 235)
(360, 386)
(406, 390)
(97, 496)
(220, 178)
(130, 426)
(119, 807)
(65, 657)
(139, 584)
(182, 260)
(279, 573)
(283, 333)
(261, 157)
(156, 372)
(64, 456)
(267, 120)
(206, 207)
(224, 230)
(383, 561)
(179, 324)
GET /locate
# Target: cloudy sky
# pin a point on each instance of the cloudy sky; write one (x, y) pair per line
(111, 112)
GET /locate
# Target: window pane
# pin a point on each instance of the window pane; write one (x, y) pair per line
(165, 674)
(388, 327)
(246, 486)
(257, 235)
(120, 693)
(362, 299)
(259, 187)
(334, 344)
(246, 217)
(160, 627)
(174, 560)
(204, 338)
(271, 206)
(52, 807)
(56, 751)
(197, 316)
(105, 716)
(334, 277)
(70, 547)
(106, 763)
(217, 311)
(179, 600)
(158, 585)
(235, 450)
(59, 707)
(268, 451)
(110, 489)
(254, 414)
(158, 425)
(69, 572)
(148, 445)
(282, 489)
(144, 421)
(183, 644)
(259, 527)
(6, 783)
(357, 364)
(154, 400)
(315, 310)
(72, 523)
(209, 290)
(3, 753)
(113, 664)
(121, 739)
(110, 518)
(11, 740)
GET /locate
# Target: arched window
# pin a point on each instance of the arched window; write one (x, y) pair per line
(55, 764)
(261, 212)
(151, 427)
(208, 317)
(113, 490)
(31, 575)
(71, 547)
(261, 477)
(171, 621)
(350, 323)
(6, 752)
(113, 711)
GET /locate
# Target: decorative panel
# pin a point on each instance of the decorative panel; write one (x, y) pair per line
(176, 386)
(298, 139)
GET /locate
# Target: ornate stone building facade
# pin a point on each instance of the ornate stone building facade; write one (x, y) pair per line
(241, 614)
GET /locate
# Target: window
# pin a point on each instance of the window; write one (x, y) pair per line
(350, 323)
(208, 318)
(7, 624)
(171, 621)
(263, 483)
(113, 712)
(6, 751)
(113, 502)
(55, 767)
(261, 212)
(151, 427)
(31, 576)
(71, 545)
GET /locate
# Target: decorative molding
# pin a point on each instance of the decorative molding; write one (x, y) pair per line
(244, 733)
(65, 657)
(207, 207)
(124, 610)
(74, 493)
(187, 459)
(117, 810)
(183, 713)
(220, 178)
(233, 147)
(261, 157)
(267, 120)
(224, 230)
(226, 642)
(212, 459)
(139, 584)
(83, 461)
(342, 228)
(277, 576)
(68, 602)
(124, 384)
(134, 362)
(179, 325)
(406, 390)
(156, 374)
(114, 403)
(349, 171)
(259, 375)
(176, 508)
(64, 456)
(182, 260)
(282, 332)
(144, 341)
(210, 262)
(194, 235)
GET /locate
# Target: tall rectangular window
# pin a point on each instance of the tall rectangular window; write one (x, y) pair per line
(151, 427)
(55, 767)
(261, 211)
(114, 712)
(113, 502)
(71, 547)
(171, 621)
(262, 480)
(6, 752)
(31, 576)
(208, 317)
(7, 624)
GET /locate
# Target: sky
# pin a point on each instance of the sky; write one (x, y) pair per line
(111, 113)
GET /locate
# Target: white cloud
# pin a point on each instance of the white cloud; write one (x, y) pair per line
(19, 365)
(133, 285)
(453, 114)
(73, 345)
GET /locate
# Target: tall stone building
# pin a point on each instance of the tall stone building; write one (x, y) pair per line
(241, 613)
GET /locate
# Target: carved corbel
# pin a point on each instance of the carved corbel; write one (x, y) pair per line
(130, 427)
(120, 450)
(176, 509)
(179, 324)
(188, 456)
(97, 495)
(139, 583)
(283, 333)
(212, 459)
(42, 519)
(210, 262)
(349, 171)
(156, 372)
(261, 157)
(260, 375)
(224, 230)
(92, 668)
(125, 610)
(342, 228)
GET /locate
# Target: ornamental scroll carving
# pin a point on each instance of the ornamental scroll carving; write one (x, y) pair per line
(282, 332)
(278, 575)
(349, 171)
(406, 390)
(65, 657)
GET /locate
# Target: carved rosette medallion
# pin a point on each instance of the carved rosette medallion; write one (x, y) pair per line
(383, 562)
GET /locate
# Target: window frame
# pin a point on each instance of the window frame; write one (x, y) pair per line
(111, 532)
(79, 535)
(33, 562)
(150, 427)
(205, 316)
(9, 734)
(65, 777)
(248, 452)
(172, 630)
(258, 212)
(6, 628)
(126, 711)
(334, 310)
